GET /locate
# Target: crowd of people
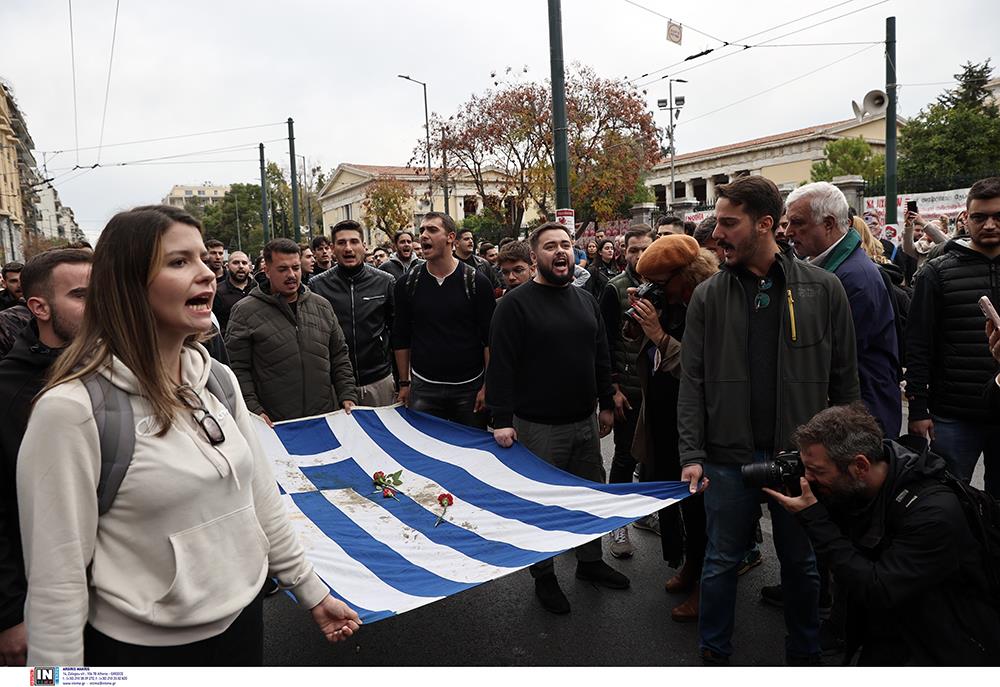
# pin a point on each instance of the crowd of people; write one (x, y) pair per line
(776, 336)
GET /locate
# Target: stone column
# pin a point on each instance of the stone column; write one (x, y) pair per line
(853, 187)
(642, 213)
(689, 189)
(709, 190)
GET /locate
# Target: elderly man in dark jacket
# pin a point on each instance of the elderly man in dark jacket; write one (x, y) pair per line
(899, 543)
(286, 346)
(819, 230)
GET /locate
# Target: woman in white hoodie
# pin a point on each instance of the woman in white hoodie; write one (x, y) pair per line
(172, 573)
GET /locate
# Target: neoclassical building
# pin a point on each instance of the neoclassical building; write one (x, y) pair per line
(786, 159)
(342, 196)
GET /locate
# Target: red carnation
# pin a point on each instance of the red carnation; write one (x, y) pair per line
(446, 500)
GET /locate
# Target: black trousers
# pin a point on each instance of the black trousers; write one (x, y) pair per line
(242, 644)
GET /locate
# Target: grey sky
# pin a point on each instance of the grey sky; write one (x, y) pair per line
(182, 67)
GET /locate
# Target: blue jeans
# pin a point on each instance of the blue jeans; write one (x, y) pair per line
(454, 402)
(731, 512)
(960, 443)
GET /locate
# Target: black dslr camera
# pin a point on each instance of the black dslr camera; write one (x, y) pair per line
(652, 293)
(781, 474)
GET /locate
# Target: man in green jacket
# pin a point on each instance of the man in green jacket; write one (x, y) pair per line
(768, 343)
(285, 344)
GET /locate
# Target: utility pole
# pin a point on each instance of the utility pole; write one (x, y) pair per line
(295, 181)
(239, 241)
(559, 106)
(890, 121)
(444, 170)
(427, 135)
(263, 196)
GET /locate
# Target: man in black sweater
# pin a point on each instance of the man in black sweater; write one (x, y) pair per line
(441, 330)
(548, 369)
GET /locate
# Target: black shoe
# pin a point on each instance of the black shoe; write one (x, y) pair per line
(548, 592)
(772, 595)
(710, 658)
(602, 574)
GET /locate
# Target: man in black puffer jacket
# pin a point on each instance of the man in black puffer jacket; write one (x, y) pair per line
(362, 297)
(898, 542)
(948, 361)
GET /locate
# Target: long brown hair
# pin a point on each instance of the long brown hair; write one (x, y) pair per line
(117, 320)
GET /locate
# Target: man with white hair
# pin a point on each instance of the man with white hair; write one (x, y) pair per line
(820, 231)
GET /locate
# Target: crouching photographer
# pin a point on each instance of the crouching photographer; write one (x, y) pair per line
(893, 526)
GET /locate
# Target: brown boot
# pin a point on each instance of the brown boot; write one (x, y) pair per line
(683, 581)
(687, 612)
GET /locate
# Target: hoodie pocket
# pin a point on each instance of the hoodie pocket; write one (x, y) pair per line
(218, 568)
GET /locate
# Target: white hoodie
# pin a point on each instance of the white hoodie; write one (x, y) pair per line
(192, 533)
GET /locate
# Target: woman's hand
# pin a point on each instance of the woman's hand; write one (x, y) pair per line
(335, 619)
(645, 315)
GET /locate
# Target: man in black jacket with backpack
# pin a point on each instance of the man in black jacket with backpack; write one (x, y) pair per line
(920, 585)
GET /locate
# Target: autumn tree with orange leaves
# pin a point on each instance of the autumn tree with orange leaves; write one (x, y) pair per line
(506, 133)
(387, 205)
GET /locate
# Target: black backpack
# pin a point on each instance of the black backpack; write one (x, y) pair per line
(982, 512)
(116, 426)
(468, 272)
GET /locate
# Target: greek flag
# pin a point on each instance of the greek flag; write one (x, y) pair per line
(384, 556)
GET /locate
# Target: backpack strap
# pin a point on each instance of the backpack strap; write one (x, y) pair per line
(115, 428)
(220, 385)
(469, 273)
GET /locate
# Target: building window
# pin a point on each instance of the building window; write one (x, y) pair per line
(201, 193)
(347, 211)
(188, 193)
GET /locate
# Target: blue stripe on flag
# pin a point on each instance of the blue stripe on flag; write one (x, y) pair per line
(383, 561)
(519, 458)
(503, 503)
(348, 474)
(366, 616)
(307, 437)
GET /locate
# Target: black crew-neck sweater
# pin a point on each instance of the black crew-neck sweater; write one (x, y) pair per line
(549, 359)
(444, 327)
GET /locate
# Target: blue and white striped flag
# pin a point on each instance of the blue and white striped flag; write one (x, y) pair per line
(382, 556)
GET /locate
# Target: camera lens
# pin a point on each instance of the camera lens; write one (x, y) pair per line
(759, 475)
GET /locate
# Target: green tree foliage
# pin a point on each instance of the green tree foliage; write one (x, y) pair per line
(848, 156)
(957, 135)
(220, 219)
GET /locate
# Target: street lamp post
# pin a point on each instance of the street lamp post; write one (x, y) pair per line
(305, 193)
(672, 106)
(427, 132)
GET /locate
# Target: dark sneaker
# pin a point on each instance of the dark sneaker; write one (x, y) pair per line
(772, 595)
(621, 545)
(600, 573)
(650, 523)
(710, 658)
(751, 561)
(548, 592)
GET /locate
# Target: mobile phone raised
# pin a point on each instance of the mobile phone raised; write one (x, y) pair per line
(987, 307)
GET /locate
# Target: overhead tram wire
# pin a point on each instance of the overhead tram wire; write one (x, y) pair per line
(764, 43)
(774, 88)
(107, 88)
(72, 57)
(742, 47)
(686, 26)
(165, 138)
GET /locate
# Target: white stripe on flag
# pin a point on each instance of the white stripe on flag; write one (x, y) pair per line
(352, 580)
(488, 469)
(287, 467)
(372, 458)
(411, 544)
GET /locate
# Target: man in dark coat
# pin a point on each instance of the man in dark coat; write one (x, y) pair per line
(819, 230)
(55, 284)
(898, 542)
